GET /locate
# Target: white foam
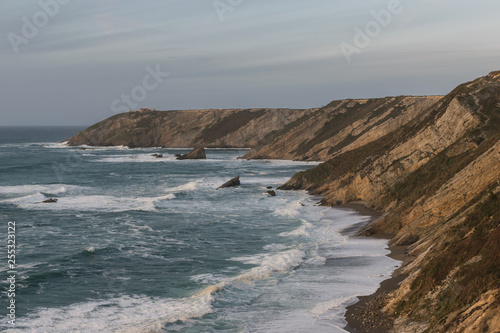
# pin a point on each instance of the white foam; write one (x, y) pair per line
(290, 210)
(32, 189)
(106, 203)
(127, 314)
(134, 158)
(300, 231)
(275, 247)
(264, 180)
(270, 263)
(56, 145)
(191, 186)
(280, 262)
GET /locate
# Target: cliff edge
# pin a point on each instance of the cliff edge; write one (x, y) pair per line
(437, 179)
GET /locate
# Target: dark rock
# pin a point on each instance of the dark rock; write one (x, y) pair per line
(271, 193)
(83, 148)
(51, 200)
(230, 183)
(157, 155)
(195, 154)
(269, 187)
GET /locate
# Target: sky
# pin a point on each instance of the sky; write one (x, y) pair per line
(76, 62)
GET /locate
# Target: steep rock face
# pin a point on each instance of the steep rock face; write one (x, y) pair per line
(438, 180)
(341, 126)
(209, 128)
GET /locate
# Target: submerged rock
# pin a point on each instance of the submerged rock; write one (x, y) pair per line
(271, 193)
(195, 154)
(51, 200)
(157, 155)
(230, 183)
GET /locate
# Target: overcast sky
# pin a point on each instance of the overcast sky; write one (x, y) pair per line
(76, 62)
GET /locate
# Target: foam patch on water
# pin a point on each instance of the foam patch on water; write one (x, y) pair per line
(105, 203)
(134, 158)
(128, 314)
(191, 186)
(32, 189)
(291, 209)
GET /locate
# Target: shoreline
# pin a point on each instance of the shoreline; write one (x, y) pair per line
(366, 314)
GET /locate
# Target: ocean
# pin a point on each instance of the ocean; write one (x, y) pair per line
(136, 243)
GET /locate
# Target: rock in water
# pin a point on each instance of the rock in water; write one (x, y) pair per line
(51, 200)
(157, 155)
(230, 183)
(195, 154)
(271, 193)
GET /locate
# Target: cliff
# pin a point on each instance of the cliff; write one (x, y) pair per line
(437, 179)
(431, 164)
(180, 129)
(341, 126)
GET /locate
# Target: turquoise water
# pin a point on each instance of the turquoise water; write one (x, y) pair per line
(143, 244)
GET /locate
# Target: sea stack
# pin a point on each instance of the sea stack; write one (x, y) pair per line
(197, 153)
(230, 183)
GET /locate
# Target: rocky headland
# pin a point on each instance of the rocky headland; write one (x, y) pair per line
(430, 165)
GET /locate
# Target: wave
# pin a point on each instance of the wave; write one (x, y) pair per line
(300, 231)
(105, 203)
(290, 210)
(134, 158)
(191, 186)
(33, 189)
(127, 314)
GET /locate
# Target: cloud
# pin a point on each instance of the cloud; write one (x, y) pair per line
(265, 53)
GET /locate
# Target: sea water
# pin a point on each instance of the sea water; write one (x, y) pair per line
(136, 243)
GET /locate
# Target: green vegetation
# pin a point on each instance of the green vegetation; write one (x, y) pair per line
(478, 236)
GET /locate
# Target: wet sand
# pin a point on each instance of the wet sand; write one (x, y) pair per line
(366, 314)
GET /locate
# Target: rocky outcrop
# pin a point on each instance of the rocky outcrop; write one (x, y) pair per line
(195, 154)
(231, 183)
(437, 179)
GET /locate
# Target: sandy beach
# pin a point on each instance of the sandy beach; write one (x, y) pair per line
(366, 314)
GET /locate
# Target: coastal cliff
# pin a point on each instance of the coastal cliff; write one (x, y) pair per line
(430, 164)
(437, 180)
(194, 128)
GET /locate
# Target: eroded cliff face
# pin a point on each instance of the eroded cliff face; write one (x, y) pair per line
(437, 178)
(175, 129)
(341, 126)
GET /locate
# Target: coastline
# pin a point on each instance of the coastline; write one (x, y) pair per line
(366, 314)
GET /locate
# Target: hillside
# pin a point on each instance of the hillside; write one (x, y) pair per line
(437, 179)
(180, 129)
(341, 126)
